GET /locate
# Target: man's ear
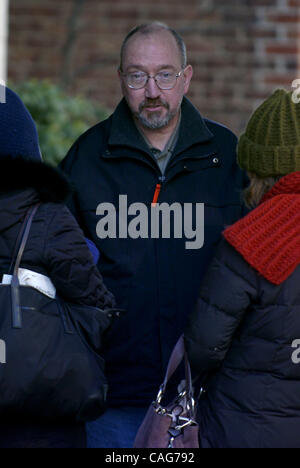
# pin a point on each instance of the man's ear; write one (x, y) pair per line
(119, 74)
(121, 80)
(188, 73)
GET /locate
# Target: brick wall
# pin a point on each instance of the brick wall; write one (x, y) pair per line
(240, 49)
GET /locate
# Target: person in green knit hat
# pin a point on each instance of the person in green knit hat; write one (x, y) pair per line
(243, 336)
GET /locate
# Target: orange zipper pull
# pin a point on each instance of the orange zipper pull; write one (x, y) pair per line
(156, 194)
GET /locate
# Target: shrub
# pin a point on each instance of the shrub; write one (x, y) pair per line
(60, 119)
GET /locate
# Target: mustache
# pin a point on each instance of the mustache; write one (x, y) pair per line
(153, 103)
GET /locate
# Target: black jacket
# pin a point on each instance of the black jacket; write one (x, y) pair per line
(240, 334)
(56, 246)
(152, 278)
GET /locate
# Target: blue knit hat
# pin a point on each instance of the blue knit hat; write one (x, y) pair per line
(18, 133)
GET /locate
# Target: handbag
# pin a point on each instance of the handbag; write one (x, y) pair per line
(174, 425)
(52, 368)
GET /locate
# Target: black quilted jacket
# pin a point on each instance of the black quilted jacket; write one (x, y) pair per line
(56, 246)
(241, 335)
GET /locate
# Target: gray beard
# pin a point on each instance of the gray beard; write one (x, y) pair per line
(155, 122)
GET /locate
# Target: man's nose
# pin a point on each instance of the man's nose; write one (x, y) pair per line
(151, 89)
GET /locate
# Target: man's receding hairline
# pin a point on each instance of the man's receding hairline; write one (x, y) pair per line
(148, 29)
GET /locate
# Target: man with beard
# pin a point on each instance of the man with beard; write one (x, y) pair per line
(158, 151)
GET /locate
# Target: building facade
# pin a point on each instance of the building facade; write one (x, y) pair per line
(240, 49)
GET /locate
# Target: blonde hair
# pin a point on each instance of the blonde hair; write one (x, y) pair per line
(258, 187)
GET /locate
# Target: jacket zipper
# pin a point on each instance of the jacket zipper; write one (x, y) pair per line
(156, 194)
(157, 190)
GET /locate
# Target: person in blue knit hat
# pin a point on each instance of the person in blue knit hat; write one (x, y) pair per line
(18, 133)
(56, 249)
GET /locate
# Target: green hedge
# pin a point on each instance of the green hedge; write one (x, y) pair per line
(60, 119)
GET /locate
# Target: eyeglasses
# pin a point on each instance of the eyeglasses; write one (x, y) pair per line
(163, 79)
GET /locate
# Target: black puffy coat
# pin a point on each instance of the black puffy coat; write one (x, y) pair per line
(240, 334)
(56, 248)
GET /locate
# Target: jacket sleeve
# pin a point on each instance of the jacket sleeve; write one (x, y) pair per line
(70, 263)
(228, 289)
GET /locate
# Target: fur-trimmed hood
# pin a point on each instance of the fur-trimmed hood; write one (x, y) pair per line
(50, 184)
(24, 183)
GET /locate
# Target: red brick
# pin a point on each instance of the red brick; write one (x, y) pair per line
(280, 80)
(223, 39)
(288, 18)
(294, 3)
(283, 49)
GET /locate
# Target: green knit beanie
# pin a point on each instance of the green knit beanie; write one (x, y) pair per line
(270, 146)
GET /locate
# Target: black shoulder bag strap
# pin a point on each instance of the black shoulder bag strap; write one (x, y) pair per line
(15, 285)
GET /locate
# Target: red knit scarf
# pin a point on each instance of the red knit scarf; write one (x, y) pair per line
(269, 237)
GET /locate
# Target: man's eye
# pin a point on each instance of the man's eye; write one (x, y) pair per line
(165, 75)
(137, 76)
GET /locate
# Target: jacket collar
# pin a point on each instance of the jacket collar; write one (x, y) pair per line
(124, 132)
(193, 129)
(18, 174)
(24, 183)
